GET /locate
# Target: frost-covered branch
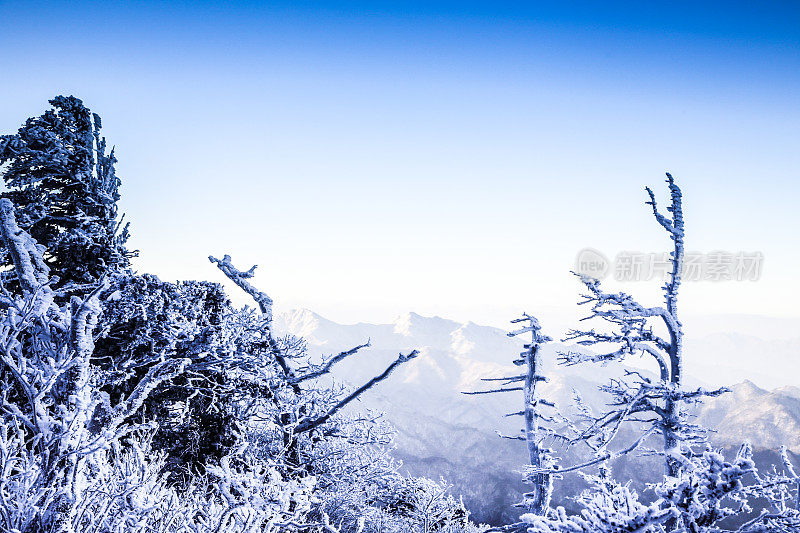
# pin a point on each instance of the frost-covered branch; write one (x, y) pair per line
(240, 279)
(602, 457)
(29, 266)
(308, 424)
(329, 364)
(156, 375)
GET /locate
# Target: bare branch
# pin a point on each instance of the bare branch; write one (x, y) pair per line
(492, 391)
(308, 424)
(324, 369)
(240, 278)
(605, 456)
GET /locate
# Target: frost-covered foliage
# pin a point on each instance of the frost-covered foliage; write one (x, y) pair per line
(125, 488)
(710, 495)
(607, 507)
(64, 188)
(424, 505)
(130, 404)
(147, 321)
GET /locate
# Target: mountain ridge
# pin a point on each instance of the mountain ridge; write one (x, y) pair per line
(443, 433)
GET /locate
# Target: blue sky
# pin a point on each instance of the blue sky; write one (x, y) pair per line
(447, 158)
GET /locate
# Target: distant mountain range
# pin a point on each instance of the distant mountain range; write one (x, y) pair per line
(441, 432)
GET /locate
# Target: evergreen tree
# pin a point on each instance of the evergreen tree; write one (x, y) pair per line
(65, 191)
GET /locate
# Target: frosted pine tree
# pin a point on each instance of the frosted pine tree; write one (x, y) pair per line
(64, 189)
(47, 393)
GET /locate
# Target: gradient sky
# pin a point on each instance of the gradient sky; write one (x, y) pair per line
(449, 159)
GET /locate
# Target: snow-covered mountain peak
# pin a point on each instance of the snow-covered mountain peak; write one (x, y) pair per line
(302, 320)
(411, 324)
(306, 324)
(747, 390)
(789, 390)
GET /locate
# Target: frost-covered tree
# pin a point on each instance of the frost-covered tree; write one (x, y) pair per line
(658, 404)
(533, 412)
(64, 188)
(111, 383)
(47, 395)
(700, 492)
(302, 407)
(148, 321)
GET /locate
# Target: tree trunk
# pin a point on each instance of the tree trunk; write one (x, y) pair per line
(542, 483)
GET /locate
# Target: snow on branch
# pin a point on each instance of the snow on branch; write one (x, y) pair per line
(307, 424)
(265, 305)
(492, 391)
(156, 375)
(328, 365)
(240, 278)
(674, 226)
(29, 265)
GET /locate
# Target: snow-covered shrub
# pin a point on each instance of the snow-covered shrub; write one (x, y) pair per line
(126, 489)
(426, 505)
(607, 507)
(705, 487)
(709, 495)
(150, 320)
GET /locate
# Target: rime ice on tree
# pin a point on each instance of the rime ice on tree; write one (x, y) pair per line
(538, 500)
(638, 397)
(65, 190)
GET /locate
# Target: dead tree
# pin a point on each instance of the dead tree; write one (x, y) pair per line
(538, 500)
(656, 403)
(300, 410)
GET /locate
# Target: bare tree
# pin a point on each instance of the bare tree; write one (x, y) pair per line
(313, 406)
(538, 500)
(656, 403)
